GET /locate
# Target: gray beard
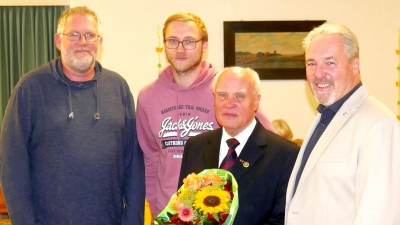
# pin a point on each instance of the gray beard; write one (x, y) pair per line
(78, 65)
(323, 100)
(81, 66)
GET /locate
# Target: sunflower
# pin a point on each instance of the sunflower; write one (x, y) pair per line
(211, 200)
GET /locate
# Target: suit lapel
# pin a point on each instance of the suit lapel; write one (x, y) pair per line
(296, 167)
(330, 132)
(211, 151)
(251, 152)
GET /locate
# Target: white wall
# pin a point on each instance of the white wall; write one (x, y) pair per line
(130, 38)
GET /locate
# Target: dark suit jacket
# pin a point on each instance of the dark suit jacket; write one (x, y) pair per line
(262, 185)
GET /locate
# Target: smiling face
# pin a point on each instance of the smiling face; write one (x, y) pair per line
(79, 56)
(235, 100)
(182, 60)
(330, 75)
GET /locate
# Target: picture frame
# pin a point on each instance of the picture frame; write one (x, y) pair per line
(272, 48)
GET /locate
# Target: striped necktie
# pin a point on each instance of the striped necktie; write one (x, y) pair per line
(231, 156)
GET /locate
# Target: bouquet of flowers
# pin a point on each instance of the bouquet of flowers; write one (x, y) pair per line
(208, 198)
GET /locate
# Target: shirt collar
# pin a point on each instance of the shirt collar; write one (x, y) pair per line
(243, 136)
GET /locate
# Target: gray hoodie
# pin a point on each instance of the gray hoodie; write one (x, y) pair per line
(59, 167)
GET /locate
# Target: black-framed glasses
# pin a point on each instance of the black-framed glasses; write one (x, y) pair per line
(186, 44)
(75, 36)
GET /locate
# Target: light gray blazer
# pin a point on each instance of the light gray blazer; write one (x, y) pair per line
(352, 176)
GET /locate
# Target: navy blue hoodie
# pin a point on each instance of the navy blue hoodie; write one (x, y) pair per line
(59, 164)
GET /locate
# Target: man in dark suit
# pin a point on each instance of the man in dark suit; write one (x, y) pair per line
(264, 160)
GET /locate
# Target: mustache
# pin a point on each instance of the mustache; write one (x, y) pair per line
(322, 80)
(81, 49)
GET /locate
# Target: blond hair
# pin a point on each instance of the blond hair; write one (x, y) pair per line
(282, 129)
(186, 16)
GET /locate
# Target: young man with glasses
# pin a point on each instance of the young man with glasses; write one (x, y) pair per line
(68, 149)
(176, 106)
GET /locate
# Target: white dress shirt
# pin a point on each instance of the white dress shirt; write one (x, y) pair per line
(242, 138)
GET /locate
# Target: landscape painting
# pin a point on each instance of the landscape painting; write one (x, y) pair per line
(270, 50)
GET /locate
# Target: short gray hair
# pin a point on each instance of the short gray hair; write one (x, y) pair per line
(351, 46)
(241, 71)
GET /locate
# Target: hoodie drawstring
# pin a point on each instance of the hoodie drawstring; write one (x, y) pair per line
(71, 113)
(56, 65)
(96, 116)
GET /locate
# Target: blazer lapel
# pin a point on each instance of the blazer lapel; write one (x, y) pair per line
(211, 151)
(296, 167)
(250, 154)
(330, 132)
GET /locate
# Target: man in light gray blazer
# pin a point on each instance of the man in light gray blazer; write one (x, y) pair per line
(348, 169)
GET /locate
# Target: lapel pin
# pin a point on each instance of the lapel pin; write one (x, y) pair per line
(245, 164)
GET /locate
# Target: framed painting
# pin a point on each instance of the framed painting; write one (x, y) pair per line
(272, 48)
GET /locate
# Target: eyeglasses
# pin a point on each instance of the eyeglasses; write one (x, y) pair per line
(186, 44)
(75, 36)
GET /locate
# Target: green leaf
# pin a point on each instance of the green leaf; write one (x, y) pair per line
(159, 222)
(215, 215)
